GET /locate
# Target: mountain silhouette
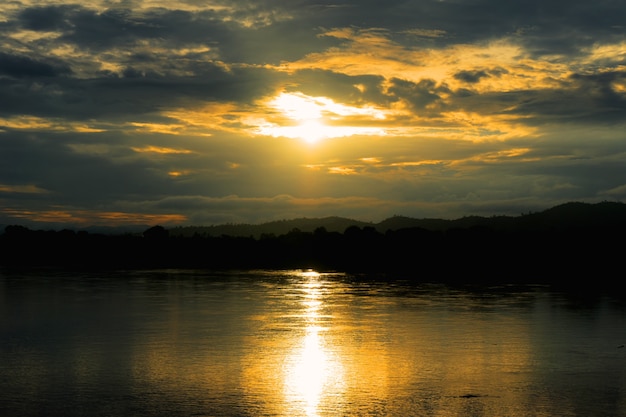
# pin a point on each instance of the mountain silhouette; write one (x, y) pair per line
(567, 215)
(280, 227)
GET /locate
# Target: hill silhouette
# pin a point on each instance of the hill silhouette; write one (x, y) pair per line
(331, 224)
(573, 214)
(563, 244)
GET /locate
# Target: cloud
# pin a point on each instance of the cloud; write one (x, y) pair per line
(24, 67)
(86, 218)
(22, 189)
(471, 77)
(160, 150)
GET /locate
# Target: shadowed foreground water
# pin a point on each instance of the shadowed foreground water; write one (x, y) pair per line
(300, 343)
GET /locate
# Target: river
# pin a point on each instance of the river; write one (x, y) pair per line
(302, 343)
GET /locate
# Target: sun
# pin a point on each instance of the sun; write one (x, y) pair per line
(298, 106)
(306, 112)
(312, 119)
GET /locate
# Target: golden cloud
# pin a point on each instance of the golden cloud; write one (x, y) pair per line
(26, 122)
(22, 189)
(371, 51)
(88, 217)
(160, 150)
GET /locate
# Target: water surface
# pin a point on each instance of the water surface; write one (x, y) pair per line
(301, 343)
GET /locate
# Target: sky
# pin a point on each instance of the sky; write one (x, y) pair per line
(189, 112)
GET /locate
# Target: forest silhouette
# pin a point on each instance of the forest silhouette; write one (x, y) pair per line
(561, 244)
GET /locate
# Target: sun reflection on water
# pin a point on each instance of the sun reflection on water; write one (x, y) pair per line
(312, 370)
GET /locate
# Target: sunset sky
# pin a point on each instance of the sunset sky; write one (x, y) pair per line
(195, 112)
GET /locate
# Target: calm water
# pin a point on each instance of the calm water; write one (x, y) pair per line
(299, 343)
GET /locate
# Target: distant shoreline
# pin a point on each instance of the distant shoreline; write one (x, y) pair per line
(559, 245)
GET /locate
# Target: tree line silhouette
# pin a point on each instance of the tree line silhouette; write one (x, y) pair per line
(547, 253)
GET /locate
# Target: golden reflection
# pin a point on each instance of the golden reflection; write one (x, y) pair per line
(308, 373)
(312, 371)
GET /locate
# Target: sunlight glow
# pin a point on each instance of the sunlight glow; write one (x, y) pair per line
(310, 372)
(312, 119)
(313, 370)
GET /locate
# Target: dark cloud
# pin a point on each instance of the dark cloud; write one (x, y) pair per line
(474, 76)
(545, 27)
(471, 77)
(19, 66)
(134, 94)
(586, 99)
(552, 27)
(115, 28)
(425, 93)
(47, 18)
(45, 160)
(562, 27)
(233, 37)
